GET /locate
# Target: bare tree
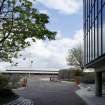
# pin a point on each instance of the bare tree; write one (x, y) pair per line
(75, 57)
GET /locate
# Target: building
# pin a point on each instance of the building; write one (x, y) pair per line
(94, 38)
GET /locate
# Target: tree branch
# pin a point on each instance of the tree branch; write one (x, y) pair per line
(2, 5)
(1, 41)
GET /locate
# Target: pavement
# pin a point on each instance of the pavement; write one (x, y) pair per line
(44, 92)
(87, 93)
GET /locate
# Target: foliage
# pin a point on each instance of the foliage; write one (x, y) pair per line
(88, 78)
(6, 96)
(78, 73)
(3, 82)
(75, 57)
(19, 20)
(6, 92)
(65, 74)
(69, 74)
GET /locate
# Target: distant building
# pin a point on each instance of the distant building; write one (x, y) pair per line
(94, 38)
(31, 72)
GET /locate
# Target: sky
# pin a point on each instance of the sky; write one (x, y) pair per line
(66, 20)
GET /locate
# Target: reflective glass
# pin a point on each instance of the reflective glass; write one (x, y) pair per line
(103, 28)
(99, 34)
(86, 49)
(99, 5)
(95, 8)
(103, 2)
(90, 46)
(96, 38)
(93, 42)
(92, 14)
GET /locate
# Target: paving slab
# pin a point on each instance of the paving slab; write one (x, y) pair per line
(51, 93)
(20, 101)
(88, 95)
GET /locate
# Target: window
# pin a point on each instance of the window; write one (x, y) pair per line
(92, 2)
(103, 2)
(89, 6)
(103, 28)
(90, 45)
(86, 10)
(86, 48)
(95, 8)
(88, 24)
(96, 38)
(99, 34)
(99, 5)
(93, 42)
(90, 19)
(84, 13)
(92, 14)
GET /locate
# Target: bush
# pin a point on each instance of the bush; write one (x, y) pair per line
(3, 82)
(78, 73)
(6, 92)
(88, 78)
(6, 95)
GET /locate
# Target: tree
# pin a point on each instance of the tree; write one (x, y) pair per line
(19, 20)
(75, 57)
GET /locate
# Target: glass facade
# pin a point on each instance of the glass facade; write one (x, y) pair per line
(94, 30)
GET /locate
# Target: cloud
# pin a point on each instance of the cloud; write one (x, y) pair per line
(63, 6)
(43, 11)
(49, 54)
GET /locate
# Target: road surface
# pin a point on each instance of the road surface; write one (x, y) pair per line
(43, 92)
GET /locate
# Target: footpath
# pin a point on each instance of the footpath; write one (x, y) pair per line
(87, 93)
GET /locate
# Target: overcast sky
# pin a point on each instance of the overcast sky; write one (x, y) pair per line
(66, 20)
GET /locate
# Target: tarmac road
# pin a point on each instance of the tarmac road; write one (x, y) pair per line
(44, 92)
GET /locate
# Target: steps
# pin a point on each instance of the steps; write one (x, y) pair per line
(20, 101)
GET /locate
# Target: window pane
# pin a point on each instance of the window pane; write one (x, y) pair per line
(96, 38)
(99, 4)
(86, 48)
(90, 19)
(103, 28)
(93, 42)
(93, 14)
(95, 8)
(89, 6)
(99, 34)
(90, 46)
(93, 2)
(86, 9)
(103, 2)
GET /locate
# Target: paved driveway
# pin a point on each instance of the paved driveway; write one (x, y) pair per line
(43, 92)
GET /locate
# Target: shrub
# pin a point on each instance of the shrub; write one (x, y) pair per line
(78, 73)
(6, 92)
(88, 78)
(3, 82)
